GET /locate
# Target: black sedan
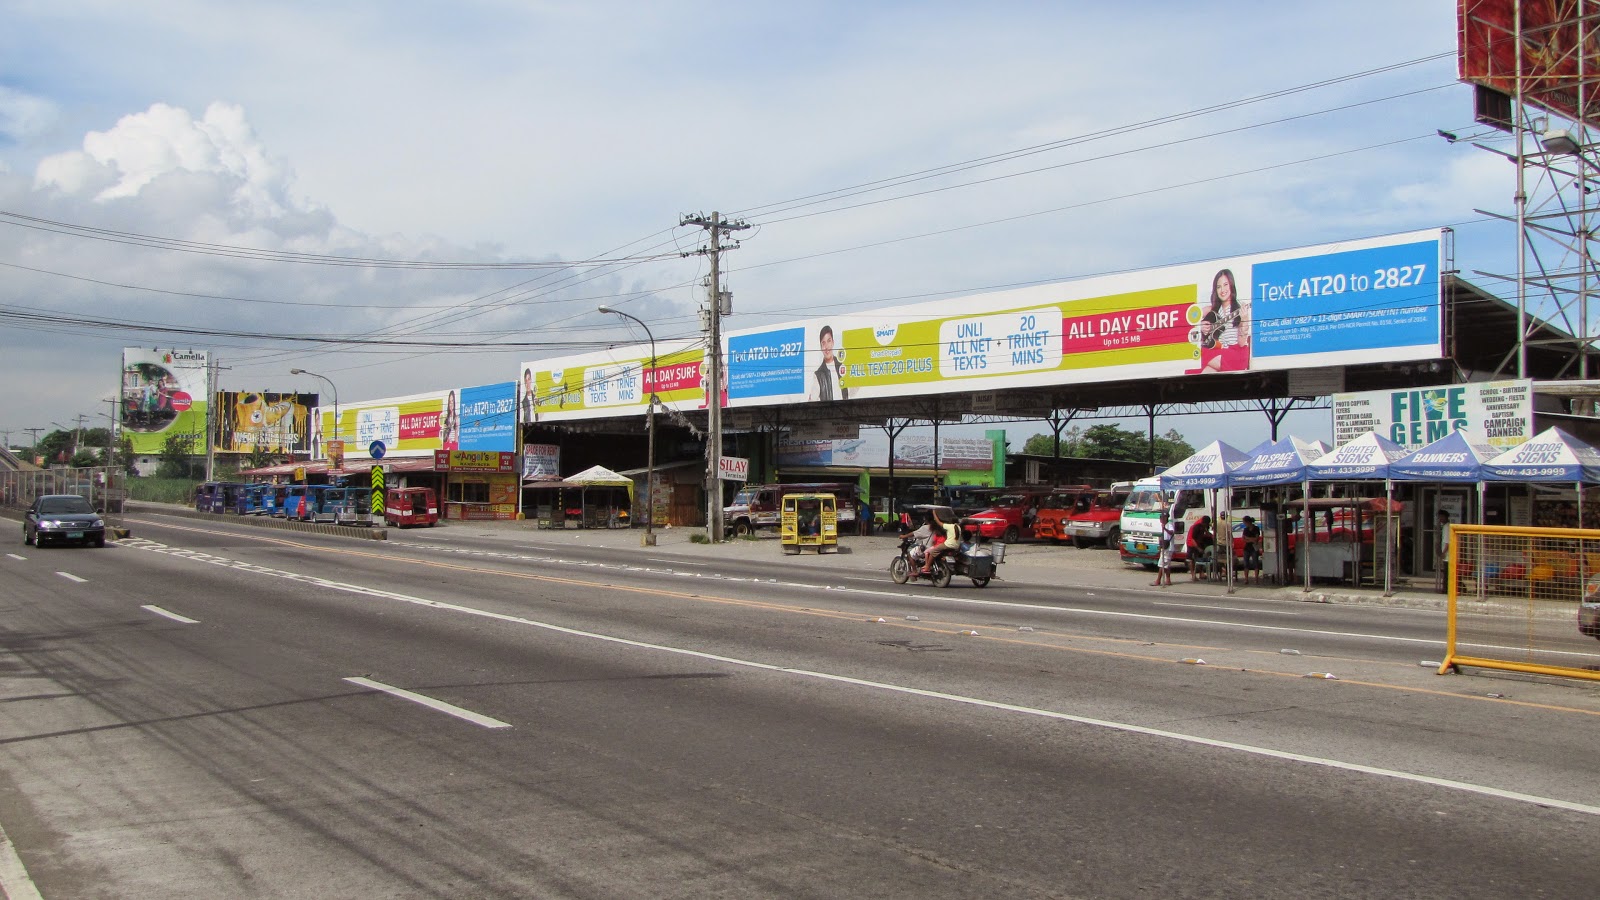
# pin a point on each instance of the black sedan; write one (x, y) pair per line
(63, 517)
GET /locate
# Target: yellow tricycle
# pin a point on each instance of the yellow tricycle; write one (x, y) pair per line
(809, 520)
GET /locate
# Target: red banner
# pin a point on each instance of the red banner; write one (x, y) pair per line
(419, 425)
(665, 379)
(1147, 327)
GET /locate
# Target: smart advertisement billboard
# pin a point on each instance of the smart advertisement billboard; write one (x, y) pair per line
(1363, 301)
(1493, 414)
(481, 418)
(610, 382)
(163, 394)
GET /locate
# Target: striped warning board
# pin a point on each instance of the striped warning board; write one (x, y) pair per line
(377, 491)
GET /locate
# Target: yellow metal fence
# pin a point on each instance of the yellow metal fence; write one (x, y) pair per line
(1520, 598)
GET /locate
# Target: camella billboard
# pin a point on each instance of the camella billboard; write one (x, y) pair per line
(163, 394)
(481, 418)
(1364, 301)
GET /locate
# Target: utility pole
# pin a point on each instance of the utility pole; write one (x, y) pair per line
(211, 412)
(718, 304)
(33, 447)
(111, 433)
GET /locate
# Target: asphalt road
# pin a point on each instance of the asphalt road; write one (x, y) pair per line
(208, 710)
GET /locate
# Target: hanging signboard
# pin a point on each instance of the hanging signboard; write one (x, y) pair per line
(1495, 414)
(474, 461)
(733, 468)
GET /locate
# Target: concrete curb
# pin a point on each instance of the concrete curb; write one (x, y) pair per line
(374, 533)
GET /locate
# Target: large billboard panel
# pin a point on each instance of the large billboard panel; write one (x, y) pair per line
(872, 450)
(611, 382)
(163, 394)
(265, 421)
(1486, 51)
(480, 418)
(1365, 301)
(1494, 414)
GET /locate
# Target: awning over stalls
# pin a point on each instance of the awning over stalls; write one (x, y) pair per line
(1451, 459)
(1208, 467)
(1552, 455)
(312, 468)
(1280, 462)
(1367, 458)
(404, 464)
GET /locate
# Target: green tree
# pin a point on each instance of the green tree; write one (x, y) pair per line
(1112, 442)
(125, 454)
(1171, 447)
(177, 457)
(56, 447)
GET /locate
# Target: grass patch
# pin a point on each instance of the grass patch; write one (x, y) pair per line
(162, 490)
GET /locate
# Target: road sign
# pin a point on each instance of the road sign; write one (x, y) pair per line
(377, 487)
(376, 449)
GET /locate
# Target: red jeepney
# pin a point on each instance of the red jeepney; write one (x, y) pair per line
(404, 507)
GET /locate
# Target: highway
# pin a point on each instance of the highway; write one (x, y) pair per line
(210, 710)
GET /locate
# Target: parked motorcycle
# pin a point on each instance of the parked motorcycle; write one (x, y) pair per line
(976, 558)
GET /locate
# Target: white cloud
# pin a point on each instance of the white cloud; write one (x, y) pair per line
(24, 116)
(165, 140)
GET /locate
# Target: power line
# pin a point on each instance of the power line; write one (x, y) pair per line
(252, 253)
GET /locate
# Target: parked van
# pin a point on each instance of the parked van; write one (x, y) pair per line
(405, 507)
(288, 505)
(353, 506)
(761, 505)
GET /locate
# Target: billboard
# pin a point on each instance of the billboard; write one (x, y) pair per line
(1365, 301)
(163, 394)
(481, 418)
(265, 421)
(1486, 51)
(1494, 414)
(611, 382)
(872, 450)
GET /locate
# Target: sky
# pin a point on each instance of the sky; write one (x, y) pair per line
(269, 180)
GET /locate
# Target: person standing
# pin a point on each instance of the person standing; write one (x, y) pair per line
(1200, 544)
(1442, 578)
(1252, 549)
(1164, 561)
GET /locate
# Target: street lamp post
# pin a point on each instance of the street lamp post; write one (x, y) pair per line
(335, 391)
(650, 428)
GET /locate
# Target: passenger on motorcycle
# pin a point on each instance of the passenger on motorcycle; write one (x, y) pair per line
(945, 538)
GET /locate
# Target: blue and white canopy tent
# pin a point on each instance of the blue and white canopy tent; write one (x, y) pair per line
(1367, 458)
(1452, 459)
(1210, 467)
(1284, 461)
(1552, 456)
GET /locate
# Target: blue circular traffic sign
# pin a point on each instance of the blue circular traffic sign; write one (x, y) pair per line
(376, 449)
